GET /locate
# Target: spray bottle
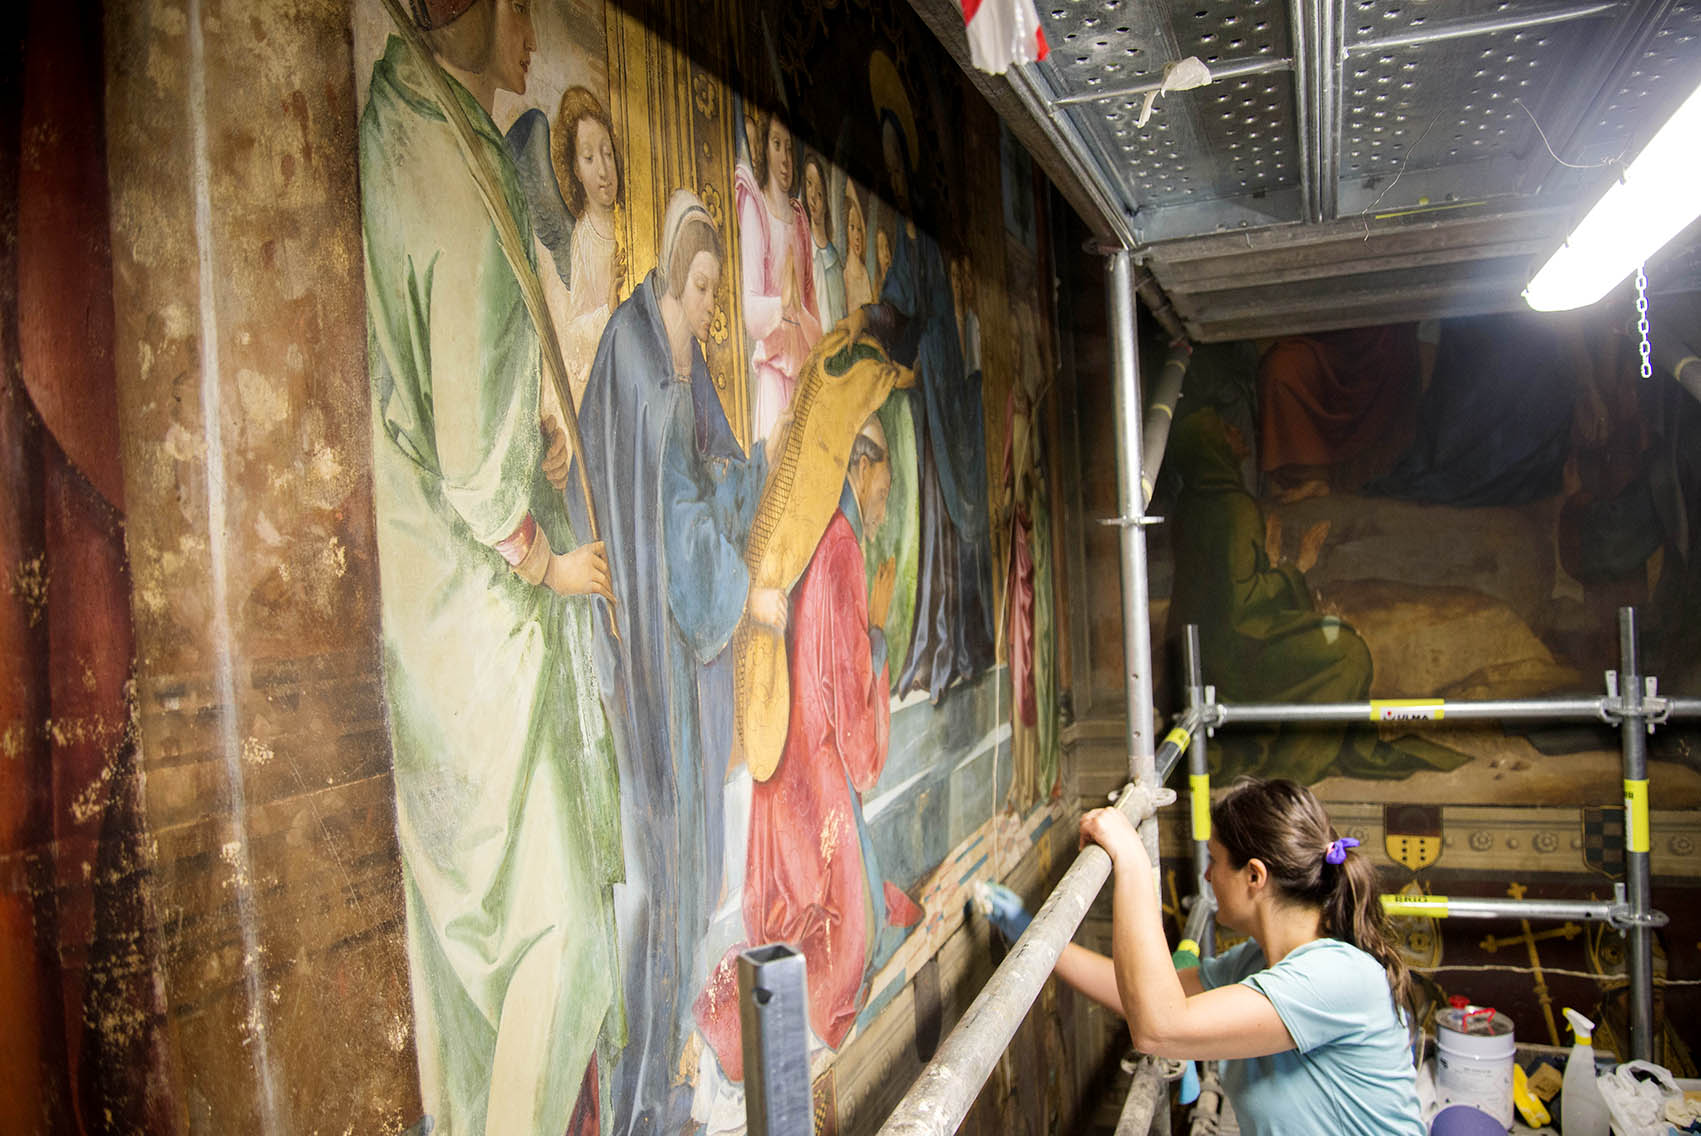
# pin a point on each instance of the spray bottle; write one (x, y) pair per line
(1582, 1110)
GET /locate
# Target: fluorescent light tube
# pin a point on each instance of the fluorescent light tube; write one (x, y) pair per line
(1658, 196)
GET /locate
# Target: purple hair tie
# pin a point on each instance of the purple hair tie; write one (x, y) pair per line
(1337, 853)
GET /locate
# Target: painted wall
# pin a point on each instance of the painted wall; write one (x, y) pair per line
(762, 144)
(329, 818)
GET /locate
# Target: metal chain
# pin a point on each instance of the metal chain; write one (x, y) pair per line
(1642, 321)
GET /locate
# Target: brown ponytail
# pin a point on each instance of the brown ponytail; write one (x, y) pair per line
(1283, 825)
(1354, 914)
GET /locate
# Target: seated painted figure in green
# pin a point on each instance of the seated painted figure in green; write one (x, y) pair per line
(1261, 637)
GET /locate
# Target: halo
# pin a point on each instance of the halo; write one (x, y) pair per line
(888, 91)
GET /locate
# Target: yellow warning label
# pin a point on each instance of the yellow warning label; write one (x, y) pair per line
(1636, 836)
(1407, 710)
(1415, 906)
(1180, 737)
(1200, 783)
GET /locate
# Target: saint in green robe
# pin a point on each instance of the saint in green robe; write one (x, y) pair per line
(1260, 636)
(507, 806)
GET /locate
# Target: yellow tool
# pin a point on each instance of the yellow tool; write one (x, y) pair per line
(1535, 1114)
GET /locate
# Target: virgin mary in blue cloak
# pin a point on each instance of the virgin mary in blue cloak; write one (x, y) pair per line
(676, 495)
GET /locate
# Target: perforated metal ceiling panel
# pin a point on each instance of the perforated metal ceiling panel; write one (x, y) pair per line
(1352, 161)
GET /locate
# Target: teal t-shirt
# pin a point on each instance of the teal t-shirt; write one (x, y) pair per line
(1350, 1070)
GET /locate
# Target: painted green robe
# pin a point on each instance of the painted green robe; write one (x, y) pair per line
(506, 794)
(1260, 636)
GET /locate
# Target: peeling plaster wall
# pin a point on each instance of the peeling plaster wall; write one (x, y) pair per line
(242, 382)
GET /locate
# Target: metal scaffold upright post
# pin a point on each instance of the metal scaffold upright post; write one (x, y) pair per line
(1132, 521)
(1633, 729)
(1146, 1108)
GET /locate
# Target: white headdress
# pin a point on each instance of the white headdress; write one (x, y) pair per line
(684, 206)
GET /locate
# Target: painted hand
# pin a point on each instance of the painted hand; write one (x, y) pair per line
(767, 606)
(1311, 546)
(880, 593)
(1111, 830)
(790, 292)
(556, 459)
(855, 323)
(582, 572)
(1272, 538)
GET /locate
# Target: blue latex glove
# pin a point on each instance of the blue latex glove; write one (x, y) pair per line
(1190, 1083)
(1003, 909)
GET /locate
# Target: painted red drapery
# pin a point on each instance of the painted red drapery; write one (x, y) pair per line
(1327, 399)
(79, 1020)
(805, 883)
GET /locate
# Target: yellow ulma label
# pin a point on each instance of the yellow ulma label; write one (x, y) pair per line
(1636, 835)
(1180, 737)
(1200, 783)
(1419, 906)
(1407, 710)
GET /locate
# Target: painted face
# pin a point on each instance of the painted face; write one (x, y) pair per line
(513, 44)
(892, 147)
(877, 488)
(698, 298)
(814, 193)
(855, 234)
(779, 156)
(882, 251)
(593, 161)
(1238, 445)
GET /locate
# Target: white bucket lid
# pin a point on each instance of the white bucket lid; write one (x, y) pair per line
(1477, 1030)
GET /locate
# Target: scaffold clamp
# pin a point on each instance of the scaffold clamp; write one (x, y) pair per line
(1625, 918)
(1148, 800)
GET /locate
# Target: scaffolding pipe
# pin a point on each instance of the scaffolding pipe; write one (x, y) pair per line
(1201, 919)
(1638, 939)
(942, 1095)
(1199, 786)
(1329, 60)
(1140, 1108)
(1677, 359)
(1443, 30)
(1136, 635)
(1414, 711)
(1166, 392)
(1207, 1113)
(1232, 69)
(1131, 502)
(1146, 286)
(1454, 907)
(1304, 121)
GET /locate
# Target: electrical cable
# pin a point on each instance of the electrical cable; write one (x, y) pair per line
(1568, 165)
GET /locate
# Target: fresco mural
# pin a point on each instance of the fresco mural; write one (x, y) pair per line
(686, 509)
(1452, 509)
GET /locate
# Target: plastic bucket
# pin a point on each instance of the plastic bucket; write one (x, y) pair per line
(1473, 1060)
